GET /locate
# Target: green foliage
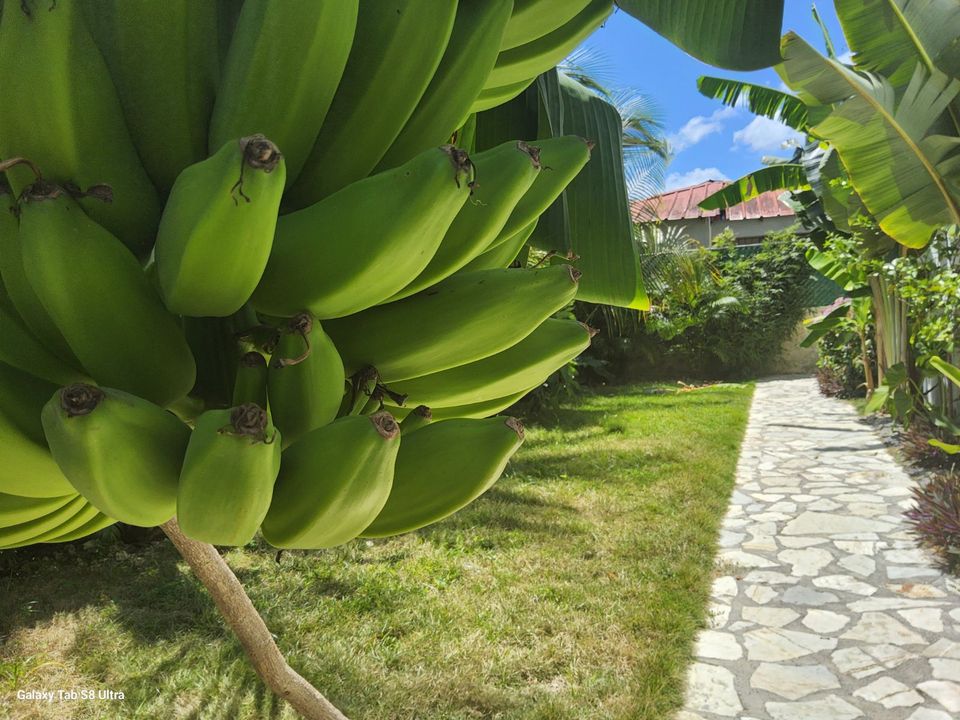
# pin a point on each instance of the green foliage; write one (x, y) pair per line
(840, 371)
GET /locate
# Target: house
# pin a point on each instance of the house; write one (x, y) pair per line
(749, 221)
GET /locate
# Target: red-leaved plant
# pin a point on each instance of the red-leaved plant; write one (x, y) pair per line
(936, 518)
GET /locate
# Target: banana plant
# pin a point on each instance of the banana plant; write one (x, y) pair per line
(951, 373)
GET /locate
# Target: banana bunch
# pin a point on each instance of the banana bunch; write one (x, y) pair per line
(253, 275)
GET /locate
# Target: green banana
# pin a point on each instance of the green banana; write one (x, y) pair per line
(228, 474)
(20, 349)
(504, 173)
(100, 299)
(492, 97)
(468, 59)
(164, 64)
(396, 50)
(32, 531)
(537, 56)
(251, 382)
(98, 523)
(26, 467)
(283, 67)
(462, 319)
(419, 417)
(562, 158)
(119, 451)
(502, 254)
(443, 467)
(305, 382)
(362, 244)
(18, 288)
(62, 113)
(479, 410)
(521, 366)
(221, 214)
(532, 19)
(16, 509)
(85, 516)
(333, 483)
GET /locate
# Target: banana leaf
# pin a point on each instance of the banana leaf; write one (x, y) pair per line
(889, 37)
(592, 217)
(905, 176)
(784, 176)
(818, 328)
(951, 372)
(732, 34)
(760, 100)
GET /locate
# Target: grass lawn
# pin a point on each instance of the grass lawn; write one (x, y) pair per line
(573, 589)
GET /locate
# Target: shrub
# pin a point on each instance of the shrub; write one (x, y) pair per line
(839, 365)
(936, 518)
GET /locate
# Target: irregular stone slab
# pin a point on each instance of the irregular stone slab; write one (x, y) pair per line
(725, 586)
(825, 621)
(719, 614)
(715, 645)
(762, 543)
(876, 627)
(890, 604)
(867, 660)
(896, 572)
(730, 539)
(802, 595)
(830, 707)
(928, 714)
(793, 681)
(890, 693)
(918, 591)
(806, 562)
(859, 564)
(802, 542)
(944, 648)
(844, 583)
(924, 618)
(907, 557)
(856, 547)
(769, 617)
(770, 577)
(760, 594)
(944, 692)
(821, 523)
(944, 669)
(775, 644)
(745, 560)
(711, 688)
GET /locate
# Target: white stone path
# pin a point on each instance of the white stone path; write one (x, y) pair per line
(824, 608)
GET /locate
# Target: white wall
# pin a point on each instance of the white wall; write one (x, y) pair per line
(702, 229)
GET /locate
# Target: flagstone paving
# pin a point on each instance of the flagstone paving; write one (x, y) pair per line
(824, 608)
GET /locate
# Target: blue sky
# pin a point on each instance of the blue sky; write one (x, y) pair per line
(710, 141)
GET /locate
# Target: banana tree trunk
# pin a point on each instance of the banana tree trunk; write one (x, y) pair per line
(246, 623)
(867, 367)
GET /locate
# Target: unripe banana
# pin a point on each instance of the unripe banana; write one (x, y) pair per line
(18, 288)
(359, 246)
(16, 509)
(492, 97)
(228, 474)
(251, 382)
(524, 365)
(333, 483)
(396, 50)
(419, 417)
(61, 111)
(100, 299)
(33, 531)
(164, 63)
(20, 349)
(85, 516)
(562, 158)
(506, 172)
(119, 451)
(468, 59)
(502, 254)
(462, 319)
(306, 379)
(96, 524)
(480, 410)
(26, 467)
(539, 55)
(222, 213)
(532, 19)
(443, 467)
(284, 65)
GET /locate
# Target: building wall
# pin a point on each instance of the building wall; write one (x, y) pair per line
(702, 229)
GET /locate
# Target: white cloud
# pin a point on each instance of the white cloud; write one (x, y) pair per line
(693, 177)
(699, 127)
(763, 134)
(846, 58)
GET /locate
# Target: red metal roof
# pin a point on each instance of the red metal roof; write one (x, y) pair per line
(682, 204)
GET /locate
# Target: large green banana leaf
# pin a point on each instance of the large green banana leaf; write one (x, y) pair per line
(889, 37)
(760, 100)
(951, 372)
(783, 176)
(594, 206)
(732, 34)
(906, 177)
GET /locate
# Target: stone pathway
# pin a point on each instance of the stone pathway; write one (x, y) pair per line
(825, 609)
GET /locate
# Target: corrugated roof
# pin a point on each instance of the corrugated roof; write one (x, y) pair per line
(682, 204)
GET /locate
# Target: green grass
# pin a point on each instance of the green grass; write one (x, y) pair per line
(572, 590)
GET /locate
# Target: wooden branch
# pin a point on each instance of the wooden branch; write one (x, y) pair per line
(246, 623)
